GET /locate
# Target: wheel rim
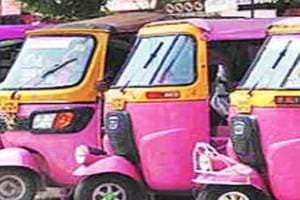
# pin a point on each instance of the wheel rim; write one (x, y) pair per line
(109, 191)
(234, 196)
(12, 188)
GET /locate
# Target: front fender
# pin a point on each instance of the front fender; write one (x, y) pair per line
(109, 164)
(223, 170)
(18, 157)
(237, 174)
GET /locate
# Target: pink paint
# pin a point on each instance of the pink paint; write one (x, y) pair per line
(281, 148)
(16, 31)
(280, 142)
(109, 164)
(56, 150)
(165, 139)
(19, 157)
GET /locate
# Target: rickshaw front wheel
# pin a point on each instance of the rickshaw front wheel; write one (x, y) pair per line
(230, 193)
(17, 184)
(108, 187)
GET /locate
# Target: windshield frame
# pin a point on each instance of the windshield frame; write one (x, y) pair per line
(134, 49)
(87, 67)
(253, 65)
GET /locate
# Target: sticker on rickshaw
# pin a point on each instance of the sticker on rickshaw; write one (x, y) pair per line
(243, 106)
(118, 104)
(10, 120)
(9, 106)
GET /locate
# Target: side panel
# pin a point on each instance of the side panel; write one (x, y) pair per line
(280, 139)
(165, 135)
(284, 167)
(110, 164)
(57, 150)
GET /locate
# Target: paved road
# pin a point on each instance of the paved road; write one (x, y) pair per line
(54, 193)
(161, 198)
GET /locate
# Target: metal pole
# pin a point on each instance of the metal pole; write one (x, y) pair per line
(252, 9)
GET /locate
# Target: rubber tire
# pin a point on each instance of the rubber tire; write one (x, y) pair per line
(214, 192)
(29, 178)
(85, 189)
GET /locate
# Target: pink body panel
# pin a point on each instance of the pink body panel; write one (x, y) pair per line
(107, 146)
(19, 157)
(280, 139)
(165, 135)
(57, 150)
(109, 164)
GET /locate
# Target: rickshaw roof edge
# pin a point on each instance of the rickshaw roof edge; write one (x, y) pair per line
(227, 28)
(286, 25)
(17, 31)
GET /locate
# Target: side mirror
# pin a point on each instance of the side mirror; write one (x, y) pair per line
(102, 86)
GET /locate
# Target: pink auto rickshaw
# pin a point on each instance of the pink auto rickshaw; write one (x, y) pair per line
(50, 101)
(263, 163)
(160, 106)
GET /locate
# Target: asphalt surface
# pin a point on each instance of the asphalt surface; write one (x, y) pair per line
(159, 198)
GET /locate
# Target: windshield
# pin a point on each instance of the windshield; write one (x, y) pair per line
(160, 61)
(41, 55)
(277, 66)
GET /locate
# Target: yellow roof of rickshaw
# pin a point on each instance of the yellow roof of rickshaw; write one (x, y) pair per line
(287, 25)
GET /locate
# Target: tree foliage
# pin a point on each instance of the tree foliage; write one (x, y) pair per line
(64, 9)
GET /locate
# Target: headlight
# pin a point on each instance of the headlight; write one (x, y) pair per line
(239, 128)
(60, 121)
(113, 123)
(81, 153)
(43, 121)
(205, 162)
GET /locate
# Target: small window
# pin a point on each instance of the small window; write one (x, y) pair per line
(116, 56)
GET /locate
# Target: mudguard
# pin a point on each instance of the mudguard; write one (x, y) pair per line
(109, 164)
(224, 170)
(19, 157)
(238, 174)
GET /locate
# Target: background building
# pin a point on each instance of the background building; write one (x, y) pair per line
(9, 7)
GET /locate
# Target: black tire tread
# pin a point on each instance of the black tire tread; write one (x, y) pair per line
(214, 192)
(84, 189)
(29, 177)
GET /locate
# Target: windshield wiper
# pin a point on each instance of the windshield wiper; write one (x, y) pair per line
(280, 57)
(58, 67)
(164, 59)
(290, 71)
(146, 65)
(43, 75)
(169, 67)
